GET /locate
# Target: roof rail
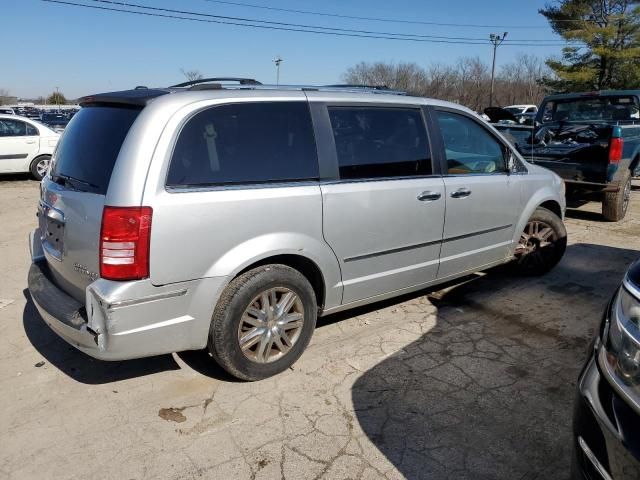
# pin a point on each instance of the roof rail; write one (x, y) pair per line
(361, 88)
(357, 85)
(241, 81)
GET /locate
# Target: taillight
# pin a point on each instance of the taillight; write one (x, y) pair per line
(615, 150)
(124, 243)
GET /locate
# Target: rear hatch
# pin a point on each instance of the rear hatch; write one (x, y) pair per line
(73, 196)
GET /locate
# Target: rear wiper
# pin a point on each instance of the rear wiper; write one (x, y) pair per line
(72, 180)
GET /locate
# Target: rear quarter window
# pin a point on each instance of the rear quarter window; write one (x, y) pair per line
(245, 143)
(89, 147)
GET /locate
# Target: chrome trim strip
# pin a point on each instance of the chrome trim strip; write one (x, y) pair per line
(425, 244)
(150, 298)
(593, 459)
(481, 232)
(390, 251)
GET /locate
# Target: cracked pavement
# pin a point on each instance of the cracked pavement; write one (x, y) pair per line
(472, 381)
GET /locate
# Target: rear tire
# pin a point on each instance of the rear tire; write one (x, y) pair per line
(542, 243)
(39, 166)
(615, 204)
(263, 322)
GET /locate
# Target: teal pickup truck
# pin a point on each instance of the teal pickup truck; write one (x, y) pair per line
(592, 140)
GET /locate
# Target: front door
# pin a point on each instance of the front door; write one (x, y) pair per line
(482, 199)
(383, 216)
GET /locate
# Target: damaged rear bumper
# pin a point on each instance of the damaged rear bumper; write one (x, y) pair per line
(65, 315)
(125, 320)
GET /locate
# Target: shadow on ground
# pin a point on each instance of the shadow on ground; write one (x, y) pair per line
(78, 365)
(487, 393)
(585, 215)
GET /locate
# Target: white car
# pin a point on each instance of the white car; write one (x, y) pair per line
(520, 109)
(25, 146)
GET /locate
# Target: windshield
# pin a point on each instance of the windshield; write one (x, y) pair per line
(514, 110)
(90, 145)
(597, 109)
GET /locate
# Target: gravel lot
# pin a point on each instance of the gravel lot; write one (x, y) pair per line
(475, 381)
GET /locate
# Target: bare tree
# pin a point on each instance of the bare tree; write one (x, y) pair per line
(191, 75)
(467, 82)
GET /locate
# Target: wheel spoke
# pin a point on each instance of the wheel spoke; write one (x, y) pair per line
(264, 304)
(262, 352)
(290, 317)
(251, 337)
(278, 341)
(256, 313)
(254, 322)
(286, 338)
(292, 325)
(287, 302)
(545, 233)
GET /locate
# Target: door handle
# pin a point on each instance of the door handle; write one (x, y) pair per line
(428, 196)
(461, 193)
(30, 141)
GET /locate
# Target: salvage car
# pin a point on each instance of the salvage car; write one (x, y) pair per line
(56, 121)
(606, 420)
(232, 216)
(25, 146)
(592, 140)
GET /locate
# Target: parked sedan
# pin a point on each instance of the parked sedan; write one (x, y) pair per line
(607, 411)
(25, 146)
(7, 111)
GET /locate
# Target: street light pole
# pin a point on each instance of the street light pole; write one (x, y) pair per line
(278, 60)
(496, 40)
(57, 99)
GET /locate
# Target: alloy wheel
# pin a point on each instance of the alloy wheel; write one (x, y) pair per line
(271, 325)
(537, 244)
(42, 166)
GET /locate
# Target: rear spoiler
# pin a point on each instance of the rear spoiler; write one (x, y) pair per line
(138, 97)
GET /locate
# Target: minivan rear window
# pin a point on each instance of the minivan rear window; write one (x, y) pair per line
(89, 147)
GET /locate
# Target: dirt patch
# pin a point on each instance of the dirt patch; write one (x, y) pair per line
(172, 414)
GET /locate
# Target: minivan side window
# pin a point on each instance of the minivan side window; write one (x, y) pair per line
(379, 142)
(469, 147)
(245, 143)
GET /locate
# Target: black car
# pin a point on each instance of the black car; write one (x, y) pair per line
(606, 420)
(55, 121)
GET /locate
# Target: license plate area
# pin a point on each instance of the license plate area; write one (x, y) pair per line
(51, 231)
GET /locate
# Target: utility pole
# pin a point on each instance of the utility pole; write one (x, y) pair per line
(278, 60)
(496, 40)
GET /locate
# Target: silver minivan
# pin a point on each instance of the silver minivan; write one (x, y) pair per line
(229, 217)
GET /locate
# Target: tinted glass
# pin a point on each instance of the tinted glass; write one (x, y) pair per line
(380, 142)
(592, 109)
(246, 143)
(31, 131)
(90, 145)
(469, 147)
(12, 128)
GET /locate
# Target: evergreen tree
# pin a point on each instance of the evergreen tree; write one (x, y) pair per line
(604, 52)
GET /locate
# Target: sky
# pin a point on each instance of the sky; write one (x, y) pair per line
(83, 51)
